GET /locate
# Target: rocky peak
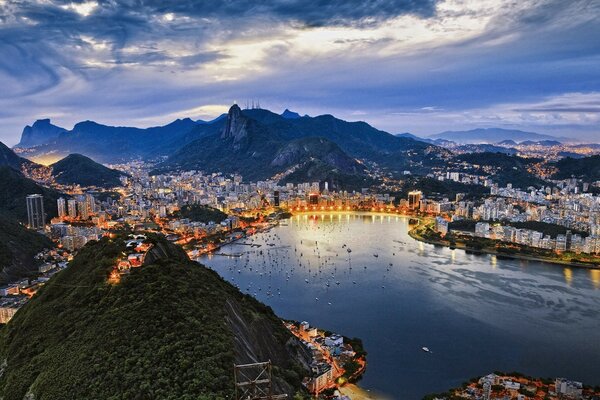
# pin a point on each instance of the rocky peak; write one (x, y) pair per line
(236, 124)
(42, 131)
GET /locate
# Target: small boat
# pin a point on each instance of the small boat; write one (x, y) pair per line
(426, 349)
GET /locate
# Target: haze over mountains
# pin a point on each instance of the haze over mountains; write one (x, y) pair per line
(493, 135)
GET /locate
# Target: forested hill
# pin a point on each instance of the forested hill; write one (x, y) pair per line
(171, 329)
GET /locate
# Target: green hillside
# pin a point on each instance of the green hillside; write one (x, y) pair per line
(18, 247)
(171, 329)
(14, 187)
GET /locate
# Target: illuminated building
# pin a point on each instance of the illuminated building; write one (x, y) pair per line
(36, 217)
(414, 198)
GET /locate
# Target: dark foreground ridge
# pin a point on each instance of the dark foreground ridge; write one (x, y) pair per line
(170, 329)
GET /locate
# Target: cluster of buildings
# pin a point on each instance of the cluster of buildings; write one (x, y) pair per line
(507, 387)
(15, 294)
(329, 355)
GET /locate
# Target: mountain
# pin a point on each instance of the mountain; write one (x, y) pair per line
(76, 169)
(8, 158)
(259, 144)
(171, 329)
(587, 168)
(491, 135)
(18, 248)
(253, 148)
(290, 114)
(116, 143)
(14, 187)
(41, 132)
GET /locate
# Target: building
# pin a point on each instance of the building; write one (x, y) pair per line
(441, 226)
(72, 208)
(414, 198)
(62, 207)
(36, 217)
(567, 388)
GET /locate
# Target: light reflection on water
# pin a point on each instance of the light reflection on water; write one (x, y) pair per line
(478, 313)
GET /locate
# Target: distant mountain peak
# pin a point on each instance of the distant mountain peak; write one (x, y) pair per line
(490, 135)
(290, 114)
(41, 132)
(235, 127)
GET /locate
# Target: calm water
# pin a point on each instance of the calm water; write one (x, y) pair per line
(476, 313)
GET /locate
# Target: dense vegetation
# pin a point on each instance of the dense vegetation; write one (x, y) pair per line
(14, 187)
(18, 247)
(316, 171)
(587, 168)
(169, 330)
(433, 188)
(201, 213)
(508, 169)
(76, 169)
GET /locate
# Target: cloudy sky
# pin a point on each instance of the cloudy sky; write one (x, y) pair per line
(420, 66)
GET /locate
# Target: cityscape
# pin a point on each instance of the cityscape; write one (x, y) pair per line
(196, 244)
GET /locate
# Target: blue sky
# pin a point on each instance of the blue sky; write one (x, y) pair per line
(403, 66)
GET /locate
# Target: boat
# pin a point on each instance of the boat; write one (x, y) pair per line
(426, 349)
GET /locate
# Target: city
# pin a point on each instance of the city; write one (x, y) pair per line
(285, 199)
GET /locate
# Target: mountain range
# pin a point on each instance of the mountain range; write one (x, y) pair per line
(255, 142)
(492, 135)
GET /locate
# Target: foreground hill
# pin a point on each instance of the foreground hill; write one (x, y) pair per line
(18, 247)
(76, 169)
(171, 329)
(14, 187)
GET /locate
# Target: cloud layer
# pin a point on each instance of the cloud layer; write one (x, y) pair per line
(420, 66)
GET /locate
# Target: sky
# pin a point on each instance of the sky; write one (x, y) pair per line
(402, 65)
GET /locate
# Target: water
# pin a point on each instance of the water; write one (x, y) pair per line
(477, 314)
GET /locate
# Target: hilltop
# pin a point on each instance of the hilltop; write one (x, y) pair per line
(171, 329)
(77, 169)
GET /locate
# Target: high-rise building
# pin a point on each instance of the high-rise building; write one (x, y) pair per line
(72, 207)
(62, 207)
(36, 217)
(90, 203)
(276, 198)
(414, 198)
(82, 207)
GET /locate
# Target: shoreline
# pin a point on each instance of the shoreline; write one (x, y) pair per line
(525, 257)
(356, 392)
